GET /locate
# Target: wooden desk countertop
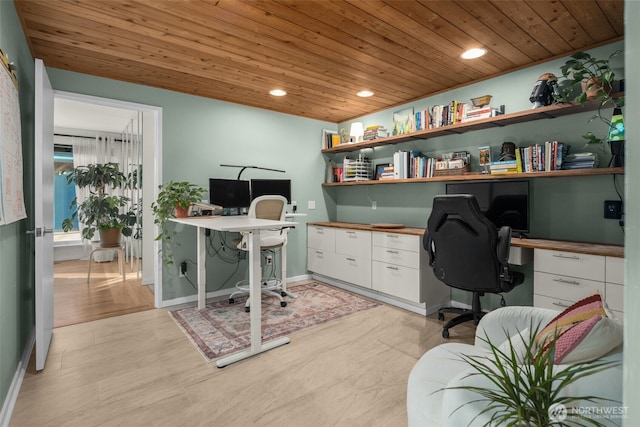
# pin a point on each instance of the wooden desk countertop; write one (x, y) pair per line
(554, 245)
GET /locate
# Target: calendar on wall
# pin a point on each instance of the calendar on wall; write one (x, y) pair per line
(11, 186)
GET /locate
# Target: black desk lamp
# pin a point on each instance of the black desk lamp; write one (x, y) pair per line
(616, 138)
(251, 167)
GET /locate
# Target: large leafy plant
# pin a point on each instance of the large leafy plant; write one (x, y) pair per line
(100, 210)
(595, 78)
(524, 388)
(173, 194)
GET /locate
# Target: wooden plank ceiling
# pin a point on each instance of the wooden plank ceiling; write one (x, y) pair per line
(322, 52)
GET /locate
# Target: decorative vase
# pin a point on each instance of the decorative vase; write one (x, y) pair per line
(110, 238)
(592, 87)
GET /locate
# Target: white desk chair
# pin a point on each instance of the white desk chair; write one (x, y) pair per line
(268, 207)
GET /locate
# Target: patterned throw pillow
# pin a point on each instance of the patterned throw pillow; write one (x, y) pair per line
(584, 332)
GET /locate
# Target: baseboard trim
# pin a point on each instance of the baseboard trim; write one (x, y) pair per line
(16, 383)
(220, 293)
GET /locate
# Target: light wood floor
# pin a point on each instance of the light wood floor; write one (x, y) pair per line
(141, 370)
(106, 295)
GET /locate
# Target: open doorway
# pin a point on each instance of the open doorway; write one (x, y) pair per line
(119, 129)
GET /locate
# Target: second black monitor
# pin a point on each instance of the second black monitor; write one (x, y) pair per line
(264, 187)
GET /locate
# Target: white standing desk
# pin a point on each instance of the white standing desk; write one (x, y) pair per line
(253, 227)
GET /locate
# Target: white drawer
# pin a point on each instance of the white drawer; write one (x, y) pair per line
(565, 287)
(401, 282)
(405, 242)
(552, 303)
(353, 270)
(320, 261)
(614, 270)
(569, 264)
(321, 238)
(396, 256)
(355, 243)
(615, 297)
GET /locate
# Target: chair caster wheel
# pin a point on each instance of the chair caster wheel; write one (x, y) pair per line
(283, 303)
(445, 333)
(441, 317)
(247, 309)
(231, 300)
(283, 294)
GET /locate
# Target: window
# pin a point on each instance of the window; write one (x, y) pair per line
(64, 193)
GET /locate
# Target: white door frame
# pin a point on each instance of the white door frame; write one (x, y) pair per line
(156, 113)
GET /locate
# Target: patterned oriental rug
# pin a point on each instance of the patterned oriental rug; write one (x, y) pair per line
(222, 328)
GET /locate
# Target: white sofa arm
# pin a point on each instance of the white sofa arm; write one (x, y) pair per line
(500, 324)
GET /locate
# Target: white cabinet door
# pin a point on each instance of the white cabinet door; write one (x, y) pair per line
(570, 264)
(352, 269)
(396, 280)
(614, 270)
(320, 261)
(355, 243)
(565, 287)
(321, 238)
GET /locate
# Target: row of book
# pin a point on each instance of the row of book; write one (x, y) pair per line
(450, 114)
(414, 164)
(375, 132)
(550, 156)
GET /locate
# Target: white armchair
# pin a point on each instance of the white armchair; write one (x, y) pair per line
(441, 367)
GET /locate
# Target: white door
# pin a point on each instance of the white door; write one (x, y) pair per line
(43, 215)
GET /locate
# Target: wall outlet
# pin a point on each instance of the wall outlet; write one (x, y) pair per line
(269, 259)
(311, 204)
(183, 269)
(613, 209)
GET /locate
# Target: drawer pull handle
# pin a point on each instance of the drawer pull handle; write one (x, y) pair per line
(319, 231)
(560, 304)
(319, 253)
(392, 252)
(393, 236)
(566, 256)
(351, 259)
(568, 282)
(392, 268)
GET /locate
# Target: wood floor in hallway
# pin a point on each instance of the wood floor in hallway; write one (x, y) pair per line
(106, 295)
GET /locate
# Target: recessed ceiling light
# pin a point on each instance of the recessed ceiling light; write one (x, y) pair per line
(473, 53)
(278, 92)
(365, 93)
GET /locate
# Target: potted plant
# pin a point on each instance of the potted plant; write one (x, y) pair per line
(595, 78)
(174, 200)
(100, 211)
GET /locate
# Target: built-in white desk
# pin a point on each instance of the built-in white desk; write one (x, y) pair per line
(253, 227)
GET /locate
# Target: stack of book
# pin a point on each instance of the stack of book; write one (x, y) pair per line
(375, 132)
(481, 113)
(586, 160)
(387, 172)
(549, 156)
(504, 166)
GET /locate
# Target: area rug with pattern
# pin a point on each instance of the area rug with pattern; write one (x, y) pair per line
(222, 328)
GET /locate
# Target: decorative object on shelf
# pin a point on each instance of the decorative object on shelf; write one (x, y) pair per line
(616, 138)
(481, 101)
(595, 77)
(507, 151)
(344, 136)
(329, 176)
(545, 91)
(402, 121)
(356, 131)
(485, 158)
(174, 200)
(101, 211)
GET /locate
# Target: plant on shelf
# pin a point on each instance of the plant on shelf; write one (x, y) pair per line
(174, 200)
(595, 78)
(525, 388)
(101, 211)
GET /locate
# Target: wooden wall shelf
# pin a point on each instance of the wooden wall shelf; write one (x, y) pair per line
(476, 176)
(548, 112)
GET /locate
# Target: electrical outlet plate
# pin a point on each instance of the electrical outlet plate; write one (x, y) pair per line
(613, 209)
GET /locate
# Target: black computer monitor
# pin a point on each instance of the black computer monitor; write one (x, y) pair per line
(266, 187)
(229, 193)
(502, 202)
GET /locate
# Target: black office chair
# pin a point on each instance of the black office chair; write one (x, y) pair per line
(466, 252)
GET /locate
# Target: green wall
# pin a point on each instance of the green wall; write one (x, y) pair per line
(16, 248)
(199, 134)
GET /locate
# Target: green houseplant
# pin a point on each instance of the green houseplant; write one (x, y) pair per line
(595, 78)
(174, 200)
(524, 388)
(100, 211)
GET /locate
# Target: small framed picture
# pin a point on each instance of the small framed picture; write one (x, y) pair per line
(485, 155)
